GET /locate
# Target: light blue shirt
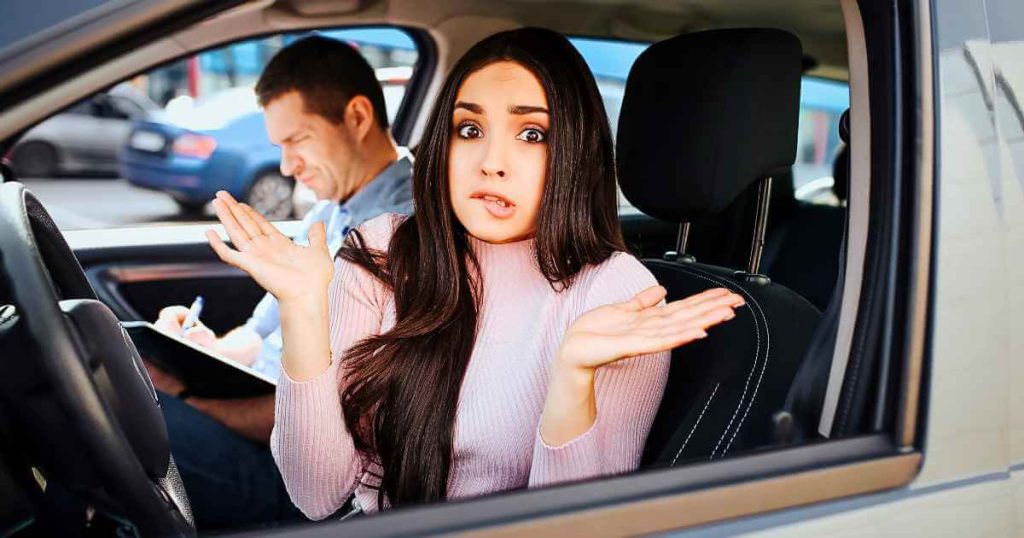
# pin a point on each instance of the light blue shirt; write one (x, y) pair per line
(389, 192)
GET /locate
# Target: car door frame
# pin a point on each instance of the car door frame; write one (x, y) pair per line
(654, 501)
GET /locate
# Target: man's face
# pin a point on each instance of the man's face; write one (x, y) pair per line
(316, 152)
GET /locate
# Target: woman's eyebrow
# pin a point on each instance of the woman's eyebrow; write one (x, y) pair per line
(472, 107)
(525, 109)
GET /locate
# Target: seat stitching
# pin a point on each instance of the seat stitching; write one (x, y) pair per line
(694, 428)
(764, 367)
(731, 286)
(712, 278)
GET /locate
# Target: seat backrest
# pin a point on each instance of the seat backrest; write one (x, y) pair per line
(723, 391)
(704, 117)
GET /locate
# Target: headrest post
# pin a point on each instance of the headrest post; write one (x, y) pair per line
(682, 238)
(764, 195)
(679, 254)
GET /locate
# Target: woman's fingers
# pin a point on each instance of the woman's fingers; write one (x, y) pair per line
(261, 222)
(224, 252)
(645, 299)
(703, 297)
(238, 236)
(644, 344)
(318, 236)
(245, 221)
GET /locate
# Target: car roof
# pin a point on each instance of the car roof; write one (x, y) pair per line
(55, 66)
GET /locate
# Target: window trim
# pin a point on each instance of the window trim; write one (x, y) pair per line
(658, 500)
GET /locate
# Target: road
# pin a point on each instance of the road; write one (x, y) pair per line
(78, 203)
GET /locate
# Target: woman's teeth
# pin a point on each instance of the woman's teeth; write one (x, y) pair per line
(497, 200)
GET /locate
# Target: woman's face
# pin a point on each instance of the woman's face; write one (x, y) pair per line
(498, 158)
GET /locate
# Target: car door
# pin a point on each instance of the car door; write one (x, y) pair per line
(138, 278)
(886, 314)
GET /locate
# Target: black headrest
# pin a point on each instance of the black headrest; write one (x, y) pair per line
(704, 115)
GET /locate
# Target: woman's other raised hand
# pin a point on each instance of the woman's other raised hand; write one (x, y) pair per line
(642, 325)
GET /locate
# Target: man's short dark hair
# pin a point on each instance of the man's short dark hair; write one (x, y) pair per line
(327, 73)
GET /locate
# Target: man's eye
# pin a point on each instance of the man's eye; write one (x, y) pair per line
(468, 130)
(533, 136)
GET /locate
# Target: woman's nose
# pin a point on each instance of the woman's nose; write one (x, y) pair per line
(494, 164)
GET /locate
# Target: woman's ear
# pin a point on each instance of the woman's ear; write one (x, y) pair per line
(360, 117)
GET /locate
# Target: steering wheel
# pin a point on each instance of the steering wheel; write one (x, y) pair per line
(72, 385)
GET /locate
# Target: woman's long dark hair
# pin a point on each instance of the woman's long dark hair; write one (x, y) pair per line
(403, 386)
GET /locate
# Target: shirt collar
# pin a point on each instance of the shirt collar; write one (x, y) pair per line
(389, 180)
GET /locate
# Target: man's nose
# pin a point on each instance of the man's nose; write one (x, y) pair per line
(290, 163)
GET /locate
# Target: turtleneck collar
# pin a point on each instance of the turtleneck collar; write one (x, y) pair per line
(507, 264)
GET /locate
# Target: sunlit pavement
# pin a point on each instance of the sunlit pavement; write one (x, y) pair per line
(94, 202)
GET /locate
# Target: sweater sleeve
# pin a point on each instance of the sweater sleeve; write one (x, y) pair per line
(310, 441)
(627, 394)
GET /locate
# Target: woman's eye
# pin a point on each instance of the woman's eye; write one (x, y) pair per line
(533, 136)
(468, 130)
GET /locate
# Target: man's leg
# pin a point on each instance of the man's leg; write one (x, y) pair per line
(231, 481)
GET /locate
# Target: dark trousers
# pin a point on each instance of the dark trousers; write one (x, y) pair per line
(232, 482)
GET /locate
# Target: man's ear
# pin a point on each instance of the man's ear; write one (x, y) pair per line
(359, 117)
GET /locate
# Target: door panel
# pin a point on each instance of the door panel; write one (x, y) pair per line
(137, 281)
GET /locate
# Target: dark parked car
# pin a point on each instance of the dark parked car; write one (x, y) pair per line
(85, 138)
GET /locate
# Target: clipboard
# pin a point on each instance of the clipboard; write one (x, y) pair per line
(207, 374)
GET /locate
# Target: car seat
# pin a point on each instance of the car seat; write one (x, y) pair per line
(704, 116)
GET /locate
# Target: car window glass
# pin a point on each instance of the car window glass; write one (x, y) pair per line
(197, 124)
(822, 102)
(84, 108)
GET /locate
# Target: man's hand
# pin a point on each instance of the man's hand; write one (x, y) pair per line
(170, 320)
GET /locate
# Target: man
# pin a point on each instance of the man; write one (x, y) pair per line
(324, 107)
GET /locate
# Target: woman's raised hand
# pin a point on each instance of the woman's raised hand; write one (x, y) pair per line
(641, 325)
(288, 271)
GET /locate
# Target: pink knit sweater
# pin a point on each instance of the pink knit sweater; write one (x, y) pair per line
(497, 444)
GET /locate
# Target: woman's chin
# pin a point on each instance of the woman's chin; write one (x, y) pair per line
(497, 232)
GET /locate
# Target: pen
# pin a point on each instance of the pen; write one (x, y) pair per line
(193, 314)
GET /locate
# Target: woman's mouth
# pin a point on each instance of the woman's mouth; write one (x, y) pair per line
(498, 206)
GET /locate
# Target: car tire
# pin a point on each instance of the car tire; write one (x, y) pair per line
(271, 195)
(190, 207)
(35, 159)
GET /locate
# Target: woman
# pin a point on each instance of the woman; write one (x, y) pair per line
(500, 337)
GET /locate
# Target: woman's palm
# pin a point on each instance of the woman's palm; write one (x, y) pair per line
(641, 326)
(281, 267)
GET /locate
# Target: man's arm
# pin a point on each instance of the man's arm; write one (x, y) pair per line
(250, 417)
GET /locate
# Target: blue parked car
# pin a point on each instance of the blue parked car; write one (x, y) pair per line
(220, 143)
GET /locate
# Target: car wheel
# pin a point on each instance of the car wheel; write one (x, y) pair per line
(271, 195)
(190, 207)
(35, 159)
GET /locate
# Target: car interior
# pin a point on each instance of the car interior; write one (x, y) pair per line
(706, 142)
